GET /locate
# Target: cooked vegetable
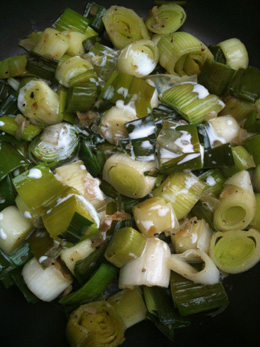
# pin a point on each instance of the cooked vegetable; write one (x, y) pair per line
(235, 53)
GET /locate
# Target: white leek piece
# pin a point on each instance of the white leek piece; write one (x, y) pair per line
(180, 263)
(80, 251)
(235, 251)
(235, 53)
(70, 68)
(38, 102)
(14, 227)
(112, 125)
(126, 175)
(149, 269)
(224, 129)
(194, 234)
(138, 58)
(75, 175)
(237, 205)
(153, 216)
(75, 40)
(52, 44)
(47, 283)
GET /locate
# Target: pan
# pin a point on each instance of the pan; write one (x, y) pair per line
(43, 324)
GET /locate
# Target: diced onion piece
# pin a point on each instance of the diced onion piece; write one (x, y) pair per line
(47, 284)
(14, 227)
(127, 175)
(138, 58)
(38, 102)
(78, 252)
(235, 53)
(149, 269)
(124, 26)
(235, 251)
(180, 264)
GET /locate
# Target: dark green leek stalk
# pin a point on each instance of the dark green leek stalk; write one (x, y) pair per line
(239, 109)
(19, 282)
(94, 13)
(10, 125)
(7, 193)
(162, 312)
(13, 66)
(129, 89)
(71, 20)
(90, 158)
(252, 144)
(242, 161)
(86, 267)
(178, 148)
(215, 76)
(81, 97)
(245, 84)
(191, 298)
(142, 136)
(42, 245)
(218, 156)
(126, 244)
(38, 188)
(214, 181)
(79, 225)
(9, 104)
(93, 288)
(255, 223)
(41, 66)
(69, 117)
(252, 123)
(10, 159)
(202, 210)
(218, 54)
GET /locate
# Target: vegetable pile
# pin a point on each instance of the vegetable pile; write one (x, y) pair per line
(129, 170)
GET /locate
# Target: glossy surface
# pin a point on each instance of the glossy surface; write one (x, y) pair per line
(43, 324)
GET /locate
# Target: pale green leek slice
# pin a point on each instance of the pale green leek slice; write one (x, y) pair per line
(235, 251)
(124, 26)
(139, 58)
(237, 205)
(126, 175)
(95, 324)
(235, 53)
(180, 263)
(182, 190)
(126, 244)
(182, 53)
(165, 19)
(129, 305)
(192, 101)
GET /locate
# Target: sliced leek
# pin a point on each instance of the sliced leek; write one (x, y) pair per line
(38, 102)
(138, 58)
(235, 251)
(124, 26)
(149, 269)
(165, 19)
(235, 53)
(182, 53)
(237, 205)
(95, 324)
(47, 284)
(127, 175)
(180, 263)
